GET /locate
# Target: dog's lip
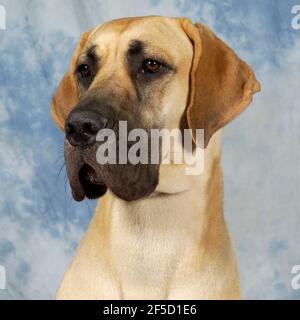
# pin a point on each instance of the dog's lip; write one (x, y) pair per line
(78, 192)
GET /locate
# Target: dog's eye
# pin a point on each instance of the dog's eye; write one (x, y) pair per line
(150, 66)
(84, 70)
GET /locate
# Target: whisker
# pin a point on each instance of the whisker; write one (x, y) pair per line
(60, 170)
(66, 182)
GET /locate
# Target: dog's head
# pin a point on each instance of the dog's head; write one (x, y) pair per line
(153, 72)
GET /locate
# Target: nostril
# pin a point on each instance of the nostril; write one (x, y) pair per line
(69, 128)
(89, 129)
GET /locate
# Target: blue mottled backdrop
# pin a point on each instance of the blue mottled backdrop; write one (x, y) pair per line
(40, 225)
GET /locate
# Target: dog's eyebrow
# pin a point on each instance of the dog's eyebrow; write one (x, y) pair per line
(91, 51)
(135, 47)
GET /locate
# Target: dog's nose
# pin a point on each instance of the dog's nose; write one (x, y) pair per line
(82, 127)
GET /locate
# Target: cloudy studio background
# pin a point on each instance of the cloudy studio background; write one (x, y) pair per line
(40, 224)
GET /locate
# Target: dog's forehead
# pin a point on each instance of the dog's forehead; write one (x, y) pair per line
(161, 32)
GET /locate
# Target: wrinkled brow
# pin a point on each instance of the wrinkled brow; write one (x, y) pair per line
(135, 47)
(91, 51)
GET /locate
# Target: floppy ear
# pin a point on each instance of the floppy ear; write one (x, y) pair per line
(67, 95)
(221, 84)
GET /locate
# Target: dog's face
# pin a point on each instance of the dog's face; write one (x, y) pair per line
(151, 72)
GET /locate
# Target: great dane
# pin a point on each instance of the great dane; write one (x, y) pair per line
(157, 232)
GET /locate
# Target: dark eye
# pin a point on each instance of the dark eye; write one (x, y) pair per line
(150, 66)
(84, 70)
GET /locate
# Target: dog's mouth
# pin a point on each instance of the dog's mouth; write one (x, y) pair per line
(89, 179)
(85, 180)
(92, 186)
(87, 184)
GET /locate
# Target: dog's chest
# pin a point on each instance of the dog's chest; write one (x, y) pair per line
(149, 244)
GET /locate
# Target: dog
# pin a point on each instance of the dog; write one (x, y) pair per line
(157, 232)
